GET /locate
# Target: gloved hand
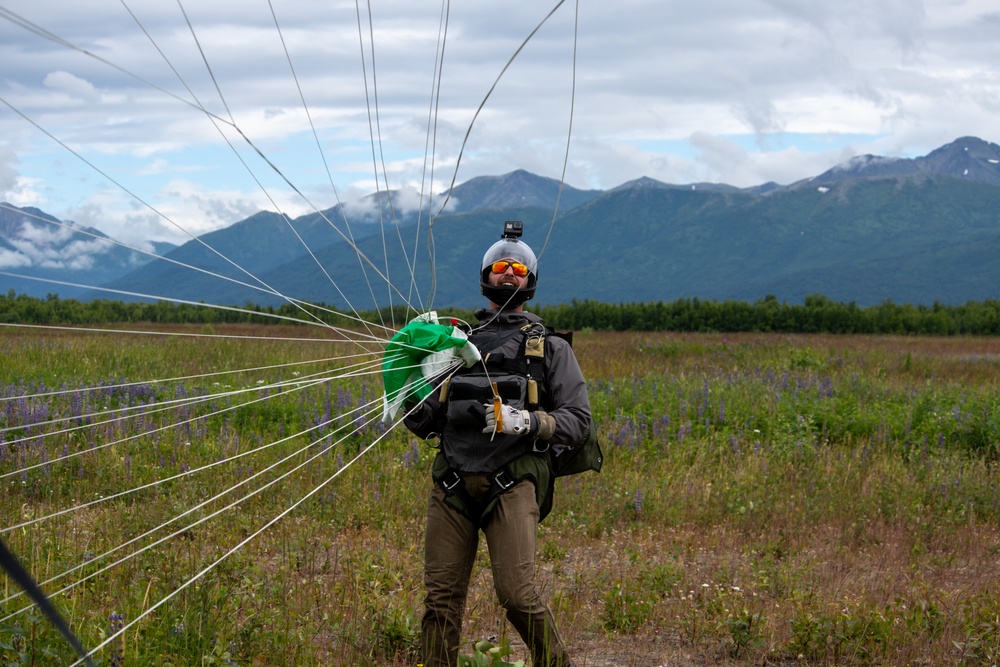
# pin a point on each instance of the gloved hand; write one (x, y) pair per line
(512, 420)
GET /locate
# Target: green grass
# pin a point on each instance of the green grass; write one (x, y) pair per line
(765, 498)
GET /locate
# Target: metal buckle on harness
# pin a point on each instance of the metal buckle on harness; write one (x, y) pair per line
(540, 448)
(503, 479)
(452, 480)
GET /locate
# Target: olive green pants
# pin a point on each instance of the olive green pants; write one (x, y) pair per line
(449, 553)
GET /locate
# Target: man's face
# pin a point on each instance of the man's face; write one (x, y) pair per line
(508, 277)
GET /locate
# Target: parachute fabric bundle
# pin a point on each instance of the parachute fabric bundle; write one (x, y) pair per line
(421, 350)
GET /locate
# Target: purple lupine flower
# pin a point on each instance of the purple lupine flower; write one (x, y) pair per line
(115, 623)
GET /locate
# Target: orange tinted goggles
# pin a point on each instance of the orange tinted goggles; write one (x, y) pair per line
(518, 268)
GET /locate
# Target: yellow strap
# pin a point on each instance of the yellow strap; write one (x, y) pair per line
(497, 410)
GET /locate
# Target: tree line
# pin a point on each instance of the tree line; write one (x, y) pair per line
(817, 314)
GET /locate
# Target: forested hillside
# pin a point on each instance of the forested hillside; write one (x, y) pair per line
(817, 314)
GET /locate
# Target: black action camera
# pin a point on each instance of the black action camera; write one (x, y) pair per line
(512, 229)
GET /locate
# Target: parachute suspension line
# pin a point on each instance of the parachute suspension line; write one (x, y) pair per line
(369, 367)
(43, 601)
(231, 122)
(305, 107)
(313, 320)
(37, 30)
(347, 425)
(356, 370)
(197, 576)
(204, 59)
(371, 131)
(212, 515)
(375, 136)
(267, 288)
(322, 215)
(413, 290)
(117, 183)
(316, 381)
(568, 138)
(234, 125)
(202, 399)
(569, 133)
(182, 378)
(196, 105)
(235, 309)
(143, 410)
(246, 139)
(322, 153)
(191, 510)
(140, 332)
(482, 104)
(159, 429)
(432, 122)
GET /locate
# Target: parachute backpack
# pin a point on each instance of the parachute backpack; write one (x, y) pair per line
(585, 455)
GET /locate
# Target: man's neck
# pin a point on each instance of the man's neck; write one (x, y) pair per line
(516, 309)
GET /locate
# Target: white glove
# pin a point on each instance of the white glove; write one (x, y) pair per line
(512, 420)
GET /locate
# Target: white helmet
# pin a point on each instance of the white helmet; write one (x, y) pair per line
(509, 247)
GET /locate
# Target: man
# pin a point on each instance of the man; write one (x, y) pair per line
(500, 423)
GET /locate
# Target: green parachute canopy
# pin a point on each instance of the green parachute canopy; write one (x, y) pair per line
(420, 351)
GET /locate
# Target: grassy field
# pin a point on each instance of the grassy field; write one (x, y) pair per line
(765, 499)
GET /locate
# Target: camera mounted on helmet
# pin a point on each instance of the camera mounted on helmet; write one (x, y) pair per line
(512, 229)
(509, 247)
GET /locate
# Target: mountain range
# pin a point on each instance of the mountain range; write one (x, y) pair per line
(918, 230)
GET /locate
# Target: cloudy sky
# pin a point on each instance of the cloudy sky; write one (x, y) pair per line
(144, 118)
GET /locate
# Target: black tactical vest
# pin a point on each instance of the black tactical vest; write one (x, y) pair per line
(465, 446)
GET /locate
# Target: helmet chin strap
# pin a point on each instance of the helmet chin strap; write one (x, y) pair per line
(505, 296)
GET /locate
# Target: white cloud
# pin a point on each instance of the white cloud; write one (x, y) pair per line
(12, 259)
(38, 235)
(51, 246)
(73, 86)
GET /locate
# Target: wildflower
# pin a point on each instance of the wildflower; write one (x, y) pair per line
(115, 624)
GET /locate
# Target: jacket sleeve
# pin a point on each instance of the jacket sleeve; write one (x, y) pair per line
(425, 419)
(568, 402)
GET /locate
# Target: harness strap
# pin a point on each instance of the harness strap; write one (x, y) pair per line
(452, 483)
(494, 341)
